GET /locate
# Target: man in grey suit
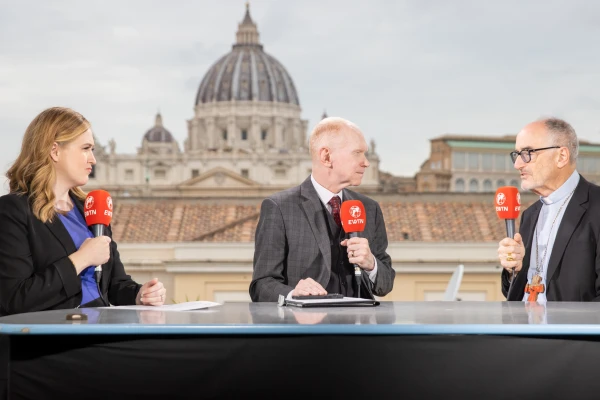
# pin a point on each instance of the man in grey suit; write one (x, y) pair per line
(300, 246)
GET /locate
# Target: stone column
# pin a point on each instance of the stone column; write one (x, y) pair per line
(232, 132)
(278, 129)
(210, 132)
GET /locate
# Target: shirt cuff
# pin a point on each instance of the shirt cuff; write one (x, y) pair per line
(373, 272)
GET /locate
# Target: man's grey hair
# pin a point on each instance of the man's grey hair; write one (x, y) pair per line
(563, 134)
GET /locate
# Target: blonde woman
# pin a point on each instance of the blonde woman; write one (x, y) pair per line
(47, 252)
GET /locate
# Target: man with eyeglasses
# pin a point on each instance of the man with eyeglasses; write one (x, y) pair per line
(556, 255)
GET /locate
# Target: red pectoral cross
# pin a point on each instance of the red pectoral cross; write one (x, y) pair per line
(533, 291)
(536, 287)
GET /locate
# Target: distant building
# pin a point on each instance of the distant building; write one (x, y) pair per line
(246, 138)
(482, 164)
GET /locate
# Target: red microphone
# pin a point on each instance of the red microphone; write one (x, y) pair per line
(508, 207)
(98, 209)
(354, 219)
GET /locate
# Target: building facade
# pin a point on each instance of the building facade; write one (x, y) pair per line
(203, 248)
(482, 164)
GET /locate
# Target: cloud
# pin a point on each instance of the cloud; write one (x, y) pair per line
(125, 32)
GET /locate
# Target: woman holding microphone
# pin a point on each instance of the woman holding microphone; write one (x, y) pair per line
(47, 252)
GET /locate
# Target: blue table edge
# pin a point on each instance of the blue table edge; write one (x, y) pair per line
(281, 329)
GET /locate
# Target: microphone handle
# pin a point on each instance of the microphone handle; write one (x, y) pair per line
(98, 230)
(357, 271)
(510, 228)
(510, 232)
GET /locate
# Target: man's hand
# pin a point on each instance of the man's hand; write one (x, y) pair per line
(359, 253)
(307, 287)
(511, 253)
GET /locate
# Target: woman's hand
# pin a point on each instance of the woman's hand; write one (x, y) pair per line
(92, 252)
(152, 293)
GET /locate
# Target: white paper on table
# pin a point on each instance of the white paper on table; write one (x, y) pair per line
(187, 306)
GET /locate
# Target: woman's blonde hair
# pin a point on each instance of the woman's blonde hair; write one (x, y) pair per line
(33, 171)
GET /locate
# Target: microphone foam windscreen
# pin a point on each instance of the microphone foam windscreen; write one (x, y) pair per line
(507, 202)
(98, 208)
(353, 216)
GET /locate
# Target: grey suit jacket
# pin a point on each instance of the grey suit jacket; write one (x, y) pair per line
(292, 243)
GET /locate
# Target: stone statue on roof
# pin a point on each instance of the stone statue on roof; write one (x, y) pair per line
(112, 145)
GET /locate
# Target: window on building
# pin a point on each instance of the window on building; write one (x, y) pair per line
(245, 173)
(500, 183)
(588, 164)
(473, 185)
(487, 185)
(581, 164)
(280, 173)
(244, 134)
(501, 161)
(458, 160)
(92, 174)
(459, 185)
(514, 182)
(160, 174)
(224, 134)
(473, 161)
(487, 161)
(263, 135)
(195, 173)
(128, 174)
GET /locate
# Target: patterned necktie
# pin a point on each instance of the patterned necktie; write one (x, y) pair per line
(335, 209)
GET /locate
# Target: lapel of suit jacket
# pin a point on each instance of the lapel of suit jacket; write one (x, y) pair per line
(575, 210)
(313, 208)
(530, 222)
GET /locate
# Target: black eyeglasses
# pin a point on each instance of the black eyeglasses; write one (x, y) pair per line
(526, 153)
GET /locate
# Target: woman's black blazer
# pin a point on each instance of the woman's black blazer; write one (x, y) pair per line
(35, 271)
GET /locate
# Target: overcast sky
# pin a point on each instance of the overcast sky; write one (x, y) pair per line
(404, 71)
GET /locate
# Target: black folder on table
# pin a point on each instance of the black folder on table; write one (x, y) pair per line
(343, 302)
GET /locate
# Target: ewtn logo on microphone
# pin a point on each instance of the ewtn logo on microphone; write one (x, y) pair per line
(89, 202)
(500, 199)
(355, 212)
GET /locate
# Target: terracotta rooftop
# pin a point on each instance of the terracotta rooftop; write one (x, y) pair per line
(173, 221)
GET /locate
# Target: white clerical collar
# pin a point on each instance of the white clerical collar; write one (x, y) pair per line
(563, 191)
(324, 194)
